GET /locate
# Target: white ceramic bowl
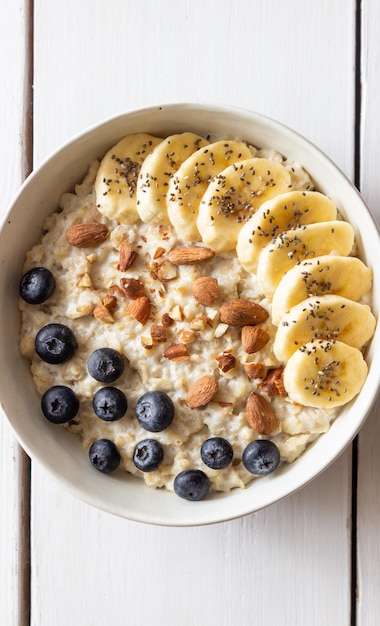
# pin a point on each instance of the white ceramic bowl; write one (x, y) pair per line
(59, 451)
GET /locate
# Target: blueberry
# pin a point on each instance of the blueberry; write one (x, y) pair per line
(216, 452)
(105, 365)
(104, 455)
(59, 404)
(155, 411)
(148, 455)
(261, 457)
(37, 285)
(55, 343)
(110, 404)
(191, 484)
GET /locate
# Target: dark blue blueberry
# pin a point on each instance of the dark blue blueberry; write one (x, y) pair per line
(191, 484)
(155, 411)
(104, 455)
(105, 365)
(59, 404)
(216, 452)
(37, 285)
(148, 455)
(110, 404)
(55, 343)
(261, 457)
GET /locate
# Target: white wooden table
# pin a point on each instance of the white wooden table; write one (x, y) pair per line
(313, 559)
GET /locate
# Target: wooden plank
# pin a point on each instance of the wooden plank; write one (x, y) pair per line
(14, 464)
(368, 610)
(290, 563)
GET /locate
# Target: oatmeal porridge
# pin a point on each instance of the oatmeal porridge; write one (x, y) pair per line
(196, 306)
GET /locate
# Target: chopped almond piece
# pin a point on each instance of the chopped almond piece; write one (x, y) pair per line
(132, 288)
(255, 370)
(84, 280)
(186, 336)
(103, 314)
(167, 320)
(177, 352)
(109, 301)
(269, 385)
(127, 256)
(158, 333)
(159, 252)
(176, 313)
(166, 271)
(199, 323)
(140, 309)
(226, 361)
(279, 383)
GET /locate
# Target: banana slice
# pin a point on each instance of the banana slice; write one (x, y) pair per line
(323, 317)
(156, 172)
(325, 374)
(116, 180)
(234, 195)
(190, 182)
(278, 214)
(298, 244)
(343, 275)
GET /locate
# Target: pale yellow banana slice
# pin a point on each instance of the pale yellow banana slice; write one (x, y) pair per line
(156, 172)
(189, 183)
(278, 214)
(298, 244)
(325, 374)
(345, 276)
(323, 317)
(234, 195)
(116, 180)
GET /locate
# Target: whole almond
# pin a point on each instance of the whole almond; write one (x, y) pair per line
(140, 309)
(253, 338)
(187, 255)
(205, 290)
(87, 235)
(260, 415)
(202, 391)
(242, 313)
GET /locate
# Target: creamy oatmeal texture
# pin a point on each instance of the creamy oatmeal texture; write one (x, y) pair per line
(169, 339)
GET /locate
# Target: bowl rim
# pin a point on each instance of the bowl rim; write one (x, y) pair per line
(209, 514)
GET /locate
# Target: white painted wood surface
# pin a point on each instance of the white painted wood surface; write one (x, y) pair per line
(13, 461)
(289, 564)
